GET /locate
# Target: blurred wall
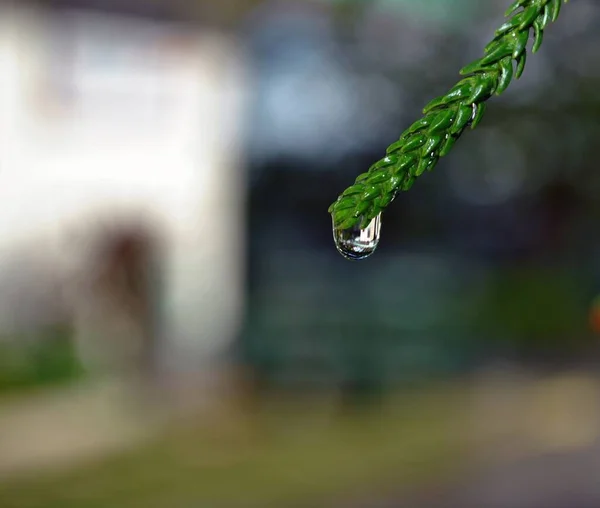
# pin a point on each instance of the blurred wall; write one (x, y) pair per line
(108, 120)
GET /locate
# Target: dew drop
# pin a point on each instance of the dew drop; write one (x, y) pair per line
(355, 243)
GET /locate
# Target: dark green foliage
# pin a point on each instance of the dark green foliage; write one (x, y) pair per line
(46, 358)
(433, 136)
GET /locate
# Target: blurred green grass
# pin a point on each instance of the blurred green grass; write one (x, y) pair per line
(289, 454)
(46, 357)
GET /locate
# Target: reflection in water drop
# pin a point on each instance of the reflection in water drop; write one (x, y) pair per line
(356, 243)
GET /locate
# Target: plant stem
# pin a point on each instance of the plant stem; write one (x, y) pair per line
(446, 117)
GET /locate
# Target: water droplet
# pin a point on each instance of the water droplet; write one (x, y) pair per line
(356, 243)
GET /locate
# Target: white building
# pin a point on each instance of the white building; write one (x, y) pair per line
(104, 119)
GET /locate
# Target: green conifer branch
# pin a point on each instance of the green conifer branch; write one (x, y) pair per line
(445, 118)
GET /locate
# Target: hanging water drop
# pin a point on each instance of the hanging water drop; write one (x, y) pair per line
(356, 243)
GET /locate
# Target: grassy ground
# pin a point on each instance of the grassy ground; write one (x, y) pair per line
(293, 453)
(282, 455)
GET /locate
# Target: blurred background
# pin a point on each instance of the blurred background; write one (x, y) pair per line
(177, 329)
